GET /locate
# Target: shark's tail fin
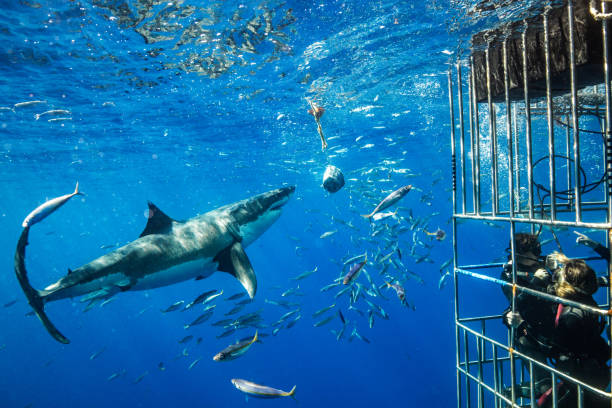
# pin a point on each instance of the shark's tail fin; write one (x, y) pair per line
(34, 298)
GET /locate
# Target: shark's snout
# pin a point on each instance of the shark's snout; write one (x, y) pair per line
(281, 196)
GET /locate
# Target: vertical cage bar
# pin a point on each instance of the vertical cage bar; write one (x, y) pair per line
(608, 149)
(555, 395)
(496, 376)
(472, 140)
(466, 354)
(513, 309)
(549, 120)
(608, 120)
(476, 148)
(454, 180)
(508, 130)
(575, 127)
(527, 122)
(493, 135)
(479, 350)
(568, 147)
(517, 161)
(580, 396)
(452, 126)
(461, 136)
(531, 386)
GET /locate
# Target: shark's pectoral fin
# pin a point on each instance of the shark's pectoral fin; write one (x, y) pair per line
(158, 223)
(234, 260)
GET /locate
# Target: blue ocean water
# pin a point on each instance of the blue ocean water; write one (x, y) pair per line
(195, 105)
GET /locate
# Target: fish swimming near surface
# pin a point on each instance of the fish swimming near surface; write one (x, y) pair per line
(261, 391)
(391, 199)
(234, 351)
(47, 208)
(167, 252)
(52, 112)
(27, 103)
(354, 271)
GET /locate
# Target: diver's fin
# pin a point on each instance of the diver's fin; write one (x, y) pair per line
(34, 298)
(234, 260)
(158, 223)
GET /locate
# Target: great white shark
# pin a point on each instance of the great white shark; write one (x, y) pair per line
(167, 252)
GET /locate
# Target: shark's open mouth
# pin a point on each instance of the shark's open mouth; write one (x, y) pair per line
(277, 207)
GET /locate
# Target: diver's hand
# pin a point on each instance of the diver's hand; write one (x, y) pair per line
(513, 319)
(541, 274)
(584, 240)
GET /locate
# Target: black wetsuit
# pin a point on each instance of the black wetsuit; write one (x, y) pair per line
(580, 351)
(530, 337)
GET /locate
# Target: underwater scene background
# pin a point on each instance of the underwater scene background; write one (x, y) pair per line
(193, 105)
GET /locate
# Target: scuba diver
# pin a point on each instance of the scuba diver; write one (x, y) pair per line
(578, 348)
(530, 319)
(569, 337)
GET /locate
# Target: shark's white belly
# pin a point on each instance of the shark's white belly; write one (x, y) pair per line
(182, 272)
(116, 282)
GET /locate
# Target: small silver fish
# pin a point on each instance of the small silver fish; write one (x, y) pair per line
(330, 286)
(201, 319)
(443, 279)
(174, 306)
(261, 391)
(52, 112)
(321, 311)
(193, 364)
(97, 353)
(44, 210)
(234, 351)
(27, 103)
(213, 297)
(391, 199)
(446, 263)
(305, 274)
(325, 321)
(328, 233)
(291, 291)
(140, 377)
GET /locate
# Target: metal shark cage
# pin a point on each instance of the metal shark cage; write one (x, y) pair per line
(515, 117)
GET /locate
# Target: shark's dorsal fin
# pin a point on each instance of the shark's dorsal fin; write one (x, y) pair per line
(234, 260)
(158, 223)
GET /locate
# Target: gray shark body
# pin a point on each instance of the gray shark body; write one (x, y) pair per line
(167, 252)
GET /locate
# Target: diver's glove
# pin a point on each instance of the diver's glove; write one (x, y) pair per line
(584, 240)
(513, 319)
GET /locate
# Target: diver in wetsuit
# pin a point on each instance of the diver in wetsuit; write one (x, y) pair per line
(569, 337)
(530, 320)
(577, 346)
